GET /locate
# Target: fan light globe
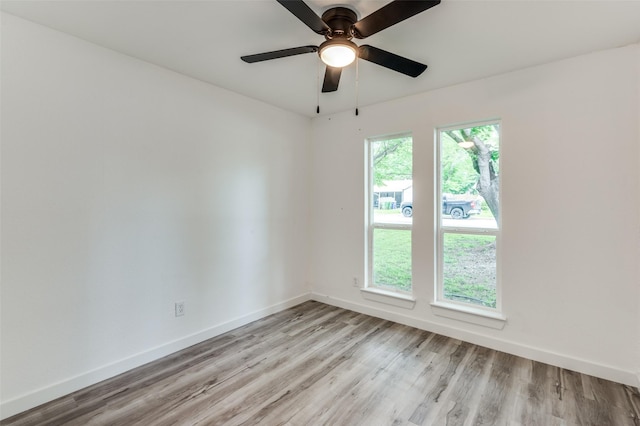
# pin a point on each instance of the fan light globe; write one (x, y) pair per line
(338, 53)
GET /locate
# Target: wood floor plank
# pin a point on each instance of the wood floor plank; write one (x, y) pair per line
(257, 371)
(497, 393)
(367, 385)
(317, 364)
(632, 396)
(536, 397)
(468, 384)
(338, 387)
(340, 356)
(270, 381)
(440, 384)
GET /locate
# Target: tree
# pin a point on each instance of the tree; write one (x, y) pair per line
(392, 160)
(481, 143)
(457, 175)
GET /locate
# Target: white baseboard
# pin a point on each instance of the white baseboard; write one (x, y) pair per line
(40, 396)
(525, 351)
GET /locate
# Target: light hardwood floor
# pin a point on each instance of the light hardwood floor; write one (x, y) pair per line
(316, 364)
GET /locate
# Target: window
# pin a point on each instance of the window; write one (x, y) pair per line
(390, 211)
(468, 216)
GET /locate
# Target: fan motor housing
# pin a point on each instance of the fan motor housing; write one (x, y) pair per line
(340, 20)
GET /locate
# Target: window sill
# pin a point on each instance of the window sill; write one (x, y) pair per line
(469, 314)
(388, 297)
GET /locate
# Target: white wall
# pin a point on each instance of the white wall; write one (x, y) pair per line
(570, 208)
(125, 188)
(638, 260)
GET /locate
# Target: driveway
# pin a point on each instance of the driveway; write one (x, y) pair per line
(472, 222)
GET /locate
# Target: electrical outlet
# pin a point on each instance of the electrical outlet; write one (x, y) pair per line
(179, 309)
(355, 282)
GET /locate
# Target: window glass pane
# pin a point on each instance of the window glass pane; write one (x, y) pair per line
(392, 176)
(469, 184)
(469, 268)
(392, 259)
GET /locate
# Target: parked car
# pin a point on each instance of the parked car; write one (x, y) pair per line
(461, 209)
(457, 209)
(406, 207)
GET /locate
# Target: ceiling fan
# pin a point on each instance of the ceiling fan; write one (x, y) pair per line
(339, 25)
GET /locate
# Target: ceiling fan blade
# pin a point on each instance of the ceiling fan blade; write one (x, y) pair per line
(331, 79)
(391, 14)
(304, 13)
(391, 60)
(278, 54)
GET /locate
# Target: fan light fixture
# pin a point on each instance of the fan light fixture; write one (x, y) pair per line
(338, 53)
(339, 25)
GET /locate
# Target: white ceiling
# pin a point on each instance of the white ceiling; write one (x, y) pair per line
(460, 40)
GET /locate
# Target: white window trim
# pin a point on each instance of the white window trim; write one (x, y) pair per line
(470, 314)
(370, 291)
(389, 297)
(482, 315)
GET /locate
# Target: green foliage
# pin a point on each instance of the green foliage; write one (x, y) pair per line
(458, 174)
(459, 165)
(487, 134)
(392, 159)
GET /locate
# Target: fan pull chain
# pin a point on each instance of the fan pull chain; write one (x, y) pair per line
(357, 85)
(318, 86)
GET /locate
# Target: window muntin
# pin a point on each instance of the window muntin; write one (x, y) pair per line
(390, 192)
(468, 215)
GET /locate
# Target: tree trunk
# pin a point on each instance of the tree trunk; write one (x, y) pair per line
(487, 184)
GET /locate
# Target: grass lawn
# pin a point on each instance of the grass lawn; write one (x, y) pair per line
(392, 258)
(470, 268)
(469, 265)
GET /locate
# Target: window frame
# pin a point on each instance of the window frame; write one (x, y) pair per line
(441, 230)
(371, 225)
